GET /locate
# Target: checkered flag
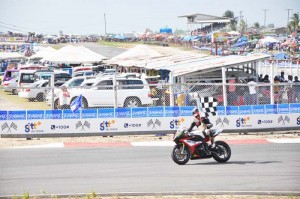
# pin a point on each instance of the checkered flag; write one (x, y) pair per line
(218, 121)
(150, 122)
(87, 124)
(226, 121)
(157, 122)
(280, 119)
(208, 105)
(14, 126)
(287, 119)
(78, 124)
(4, 126)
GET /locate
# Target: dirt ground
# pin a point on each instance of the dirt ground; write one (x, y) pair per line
(13, 142)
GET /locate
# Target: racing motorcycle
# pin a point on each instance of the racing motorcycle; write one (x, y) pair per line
(189, 146)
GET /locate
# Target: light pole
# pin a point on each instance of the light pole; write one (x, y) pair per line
(105, 23)
(265, 10)
(288, 19)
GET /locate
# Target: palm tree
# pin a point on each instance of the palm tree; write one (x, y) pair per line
(242, 27)
(294, 23)
(233, 22)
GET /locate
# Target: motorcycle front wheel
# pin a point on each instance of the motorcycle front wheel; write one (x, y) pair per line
(180, 155)
(222, 152)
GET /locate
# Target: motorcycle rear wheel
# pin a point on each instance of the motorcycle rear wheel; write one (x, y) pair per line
(180, 156)
(223, 152)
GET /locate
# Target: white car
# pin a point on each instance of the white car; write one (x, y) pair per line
(11, 86)
(35, 91)
(132, 92)
(74, 82)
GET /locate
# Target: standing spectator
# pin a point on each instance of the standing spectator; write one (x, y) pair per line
(289, 89)
(281, 77)
(296, 90)
(232, 96)
(63, 98)
(252, 91)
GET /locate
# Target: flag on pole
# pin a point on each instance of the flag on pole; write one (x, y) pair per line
(76, 104)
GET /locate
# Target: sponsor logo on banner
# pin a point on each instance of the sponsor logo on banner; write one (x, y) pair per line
(283, 120)
(108, 125)
(35, 115)
(245, 110)
(106, 113)
(139, 112)
(174, 124)
(154, 123)
(258, 109)
(232, 110)
(9, 127)
(172, 111)
(53, 114)
(16, 115)
(222, 121)
(155, 111)
(283, 109)
(83, 125)
(136, 125)
(88, 113)
(298, 120)
(53, 127)
(243, 122)
(185, 110)
(294, 108)
(33, 127)
(221, 110)
(264, 121)
(123, 112)
(3, 115)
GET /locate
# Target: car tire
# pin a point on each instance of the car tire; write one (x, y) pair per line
(132, 102)
(14, 92)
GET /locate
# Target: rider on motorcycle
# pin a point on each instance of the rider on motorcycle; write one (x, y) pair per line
(206, 125)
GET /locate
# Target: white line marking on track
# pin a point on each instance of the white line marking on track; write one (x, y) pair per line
(160, 143)
(51, 145)
(285, 141)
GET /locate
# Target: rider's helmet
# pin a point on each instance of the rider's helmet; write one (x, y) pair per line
(196, 112)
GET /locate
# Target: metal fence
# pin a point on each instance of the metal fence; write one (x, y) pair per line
(158, 95)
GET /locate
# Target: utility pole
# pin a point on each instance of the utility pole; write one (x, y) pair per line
(105, 24)
(265, 19)
(288, 19)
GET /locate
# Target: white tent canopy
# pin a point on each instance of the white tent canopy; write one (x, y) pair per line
(268, 39)
(74, 55)
(44, 52)
(134, 55)
(11, 55)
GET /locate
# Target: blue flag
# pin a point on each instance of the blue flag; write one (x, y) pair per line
(76, 104)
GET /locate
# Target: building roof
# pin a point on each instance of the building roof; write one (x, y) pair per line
(203, 18)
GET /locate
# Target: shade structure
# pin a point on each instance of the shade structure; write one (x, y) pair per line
(137, 53)
(11, 55)
(74, 55)
(268, 40)
(44, 52)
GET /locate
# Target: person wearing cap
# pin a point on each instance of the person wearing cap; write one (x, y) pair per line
(63, 98)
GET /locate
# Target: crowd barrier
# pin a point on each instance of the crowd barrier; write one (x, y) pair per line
(143, 120)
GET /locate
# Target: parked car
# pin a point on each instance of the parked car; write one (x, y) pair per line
(83, 73)
(132, 92)
(11, 86)
(35, 91)
(74, 82)
(1, 77)
(9, 74)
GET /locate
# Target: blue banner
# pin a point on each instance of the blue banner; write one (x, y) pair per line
(186, 110)
(106, 113)
(16, 115)
(123, 112)
(283, 109)
(172, 111)
(258, 109)
(294, 108)
(232, 110)
(221, 110)
(35, 115)
(53, 114)
(245, 110)
(155, 111)
(271, 109)
(139, 112)
(89, 113)
(69, 114)
(3, 115)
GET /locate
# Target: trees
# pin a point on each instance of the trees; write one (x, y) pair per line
(294, 23)
(233, 22)
(256, 25)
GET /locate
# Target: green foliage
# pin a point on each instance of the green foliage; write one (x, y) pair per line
(25, 195)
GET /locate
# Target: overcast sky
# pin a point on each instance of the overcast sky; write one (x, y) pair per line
(87, 16)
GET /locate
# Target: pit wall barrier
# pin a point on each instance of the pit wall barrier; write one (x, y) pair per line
(144, 120)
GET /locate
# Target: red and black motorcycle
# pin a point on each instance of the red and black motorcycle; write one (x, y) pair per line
(189, 146)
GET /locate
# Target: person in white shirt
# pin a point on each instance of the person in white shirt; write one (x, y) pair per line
(63, 98)
(252, 91)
